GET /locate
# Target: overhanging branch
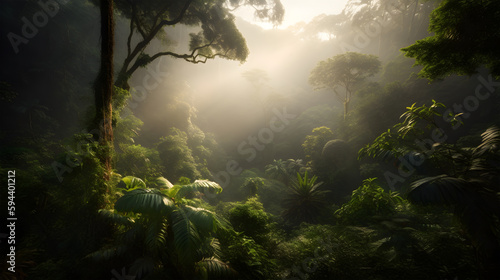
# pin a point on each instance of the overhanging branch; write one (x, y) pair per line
(193, 57)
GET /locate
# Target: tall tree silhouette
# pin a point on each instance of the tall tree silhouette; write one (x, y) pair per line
(103, 86)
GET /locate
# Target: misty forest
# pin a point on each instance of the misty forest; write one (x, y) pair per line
(250, 139)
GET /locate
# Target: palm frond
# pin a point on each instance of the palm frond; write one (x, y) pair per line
(213, 268)
(145, 201)
(442, 190)
(211, 248)
(186, 237)
(305, 200)
(156, 233)
(203, 219)
(197, 186)
(490, 141)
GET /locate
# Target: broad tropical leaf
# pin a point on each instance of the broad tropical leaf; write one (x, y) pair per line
(133, 182)
(145, 201)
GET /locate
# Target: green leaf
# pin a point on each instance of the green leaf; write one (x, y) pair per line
(186, 238)
(164, 183)
(145, 201)
(133, 182)
(198, 185)
(213, 268)
(203, 219)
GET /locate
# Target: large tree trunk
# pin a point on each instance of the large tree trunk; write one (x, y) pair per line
(103, 87)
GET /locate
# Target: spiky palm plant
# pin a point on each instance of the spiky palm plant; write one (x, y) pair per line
(163, 235)
(305, 200)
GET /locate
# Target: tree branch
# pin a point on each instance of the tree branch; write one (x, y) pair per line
(125, 71)
(129, 39)
(192, 57)
(179, 17)
(139, 28)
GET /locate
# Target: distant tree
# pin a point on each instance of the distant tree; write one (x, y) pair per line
(399, 20)
(345, 70)
(465, 37)
(260, 81)
(324, 26)
(251, 219)
(176, 157)
(252, 185)
(314, 143)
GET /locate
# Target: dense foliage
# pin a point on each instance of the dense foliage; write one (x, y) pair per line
(215, 171)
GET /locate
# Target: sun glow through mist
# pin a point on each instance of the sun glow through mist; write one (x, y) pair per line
(296, 11)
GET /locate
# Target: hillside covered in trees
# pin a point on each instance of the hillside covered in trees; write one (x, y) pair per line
(188, 139)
